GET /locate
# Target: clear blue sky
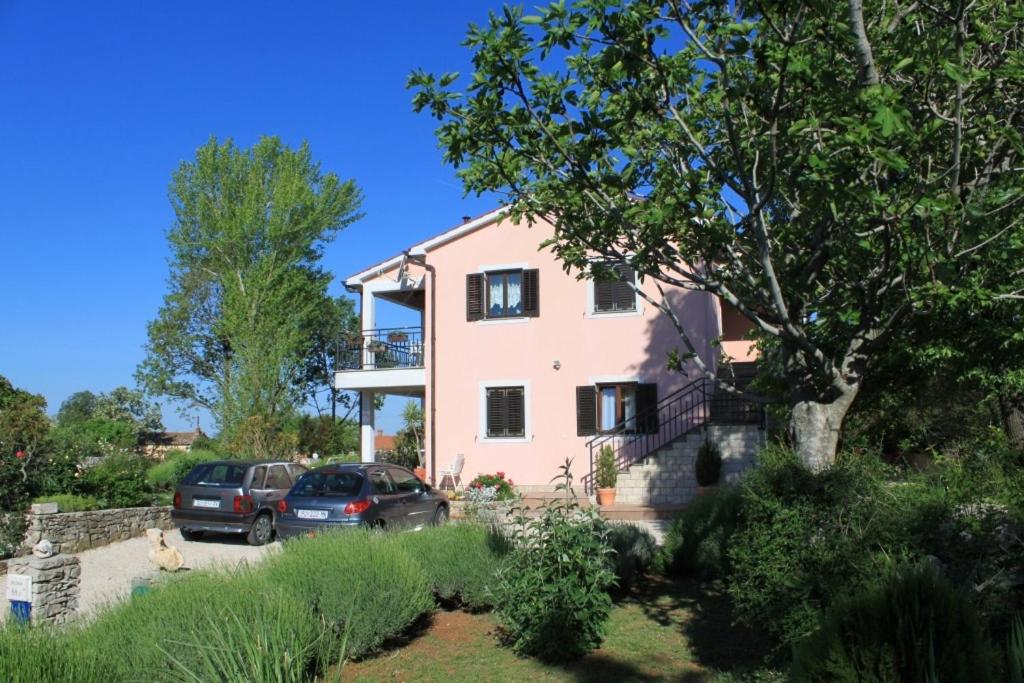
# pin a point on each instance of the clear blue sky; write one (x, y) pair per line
(99, 102)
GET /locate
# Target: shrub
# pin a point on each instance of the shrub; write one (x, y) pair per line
(697, 542)
(806, 539)
(119, 481)
(502, 486)
(361, 583)
(94, 437)
(12, 532)
(69, 502)
(913, 627)
(634, 551)
(607, 471)
(166, 475)
(460, 561)
(708, 467)
(1015, 652)
(551, 595)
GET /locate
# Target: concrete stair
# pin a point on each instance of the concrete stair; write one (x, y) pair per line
(666, 478)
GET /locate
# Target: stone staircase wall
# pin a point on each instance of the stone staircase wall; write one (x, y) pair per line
(666, 477)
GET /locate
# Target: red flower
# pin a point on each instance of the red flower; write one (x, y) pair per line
(510, 482)
(501, 475)
(19, 454)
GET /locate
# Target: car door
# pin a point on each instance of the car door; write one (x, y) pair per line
(414, 508)
(258, 489)
(385, 497)
(278, 484)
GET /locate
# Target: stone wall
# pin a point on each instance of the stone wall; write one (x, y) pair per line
(667, 476)
(72, 532)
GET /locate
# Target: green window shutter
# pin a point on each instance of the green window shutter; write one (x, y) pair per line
(474, 296)
(586, 411)
(531, 293)
(647, 408)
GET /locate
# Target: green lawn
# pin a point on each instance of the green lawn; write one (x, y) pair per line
(663, 632)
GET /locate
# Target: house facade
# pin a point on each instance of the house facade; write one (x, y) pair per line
(522, 365)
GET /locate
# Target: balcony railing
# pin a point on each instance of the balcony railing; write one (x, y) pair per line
(383, 349)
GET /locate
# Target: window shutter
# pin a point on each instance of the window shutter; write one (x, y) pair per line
(625, 296)
(496, 412)
(531, 293)
(603, 295)
(474, 296)
(586, 411)
(515, 422)
(646, 408)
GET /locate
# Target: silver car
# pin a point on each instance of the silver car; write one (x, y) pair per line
(233, 496)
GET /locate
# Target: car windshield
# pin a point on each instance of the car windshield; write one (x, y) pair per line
(328, 484)
(216, 474)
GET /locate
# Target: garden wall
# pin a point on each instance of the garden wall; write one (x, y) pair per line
(72, 532)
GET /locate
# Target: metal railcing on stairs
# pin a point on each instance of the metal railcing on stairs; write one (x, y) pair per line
(695, 405)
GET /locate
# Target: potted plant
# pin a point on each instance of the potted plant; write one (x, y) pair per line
(607, 475)
(708, 467)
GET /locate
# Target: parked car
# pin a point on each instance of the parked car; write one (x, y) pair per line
(233, 496)
(354, 494)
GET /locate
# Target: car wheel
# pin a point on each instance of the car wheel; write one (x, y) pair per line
(261, 531)
(191, 535)
(440, 515)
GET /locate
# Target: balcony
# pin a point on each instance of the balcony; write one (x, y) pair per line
(386, 360)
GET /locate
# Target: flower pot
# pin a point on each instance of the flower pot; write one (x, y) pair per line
(704, 490)
(606, 497)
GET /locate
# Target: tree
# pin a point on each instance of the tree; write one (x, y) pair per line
(247, 291)
(121, 404)
(77, 407)
(23, 430)
(409, 439)
(339, 322)
(828, 169)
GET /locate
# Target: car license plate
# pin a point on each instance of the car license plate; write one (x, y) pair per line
(200, 503)
(311, 514)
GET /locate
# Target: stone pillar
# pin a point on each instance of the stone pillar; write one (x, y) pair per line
(55, 582)
(38, 516)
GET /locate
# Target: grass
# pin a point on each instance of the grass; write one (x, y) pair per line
(663, 631)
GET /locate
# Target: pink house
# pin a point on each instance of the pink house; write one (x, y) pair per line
(522, 365)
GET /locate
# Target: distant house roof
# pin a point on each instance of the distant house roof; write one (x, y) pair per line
(170, 439)
(383, 442)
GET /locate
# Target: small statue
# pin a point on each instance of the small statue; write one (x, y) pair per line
(43, 549)
(162, 555)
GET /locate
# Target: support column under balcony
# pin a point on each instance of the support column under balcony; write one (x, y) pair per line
(367, 433)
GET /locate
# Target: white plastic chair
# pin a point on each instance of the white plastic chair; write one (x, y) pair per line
(453, 473)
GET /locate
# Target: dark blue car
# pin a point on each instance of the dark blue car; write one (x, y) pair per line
(349, 495)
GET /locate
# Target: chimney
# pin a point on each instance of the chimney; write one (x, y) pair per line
(466, 219)
(380, 432)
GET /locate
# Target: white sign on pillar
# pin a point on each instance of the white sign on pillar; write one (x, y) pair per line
(19, 587)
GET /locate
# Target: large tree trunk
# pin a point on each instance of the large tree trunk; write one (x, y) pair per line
(817, 411)
(815, 426)
(1011, 410)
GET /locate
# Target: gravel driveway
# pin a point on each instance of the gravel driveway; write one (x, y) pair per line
(107, 572)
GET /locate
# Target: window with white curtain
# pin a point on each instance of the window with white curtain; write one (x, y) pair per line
(505, 294)
(617, 406)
